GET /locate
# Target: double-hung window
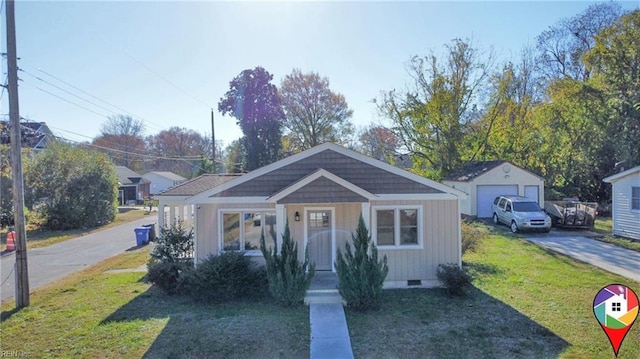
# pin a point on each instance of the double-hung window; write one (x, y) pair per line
(397, 226)
(635, 198)
(241, 230)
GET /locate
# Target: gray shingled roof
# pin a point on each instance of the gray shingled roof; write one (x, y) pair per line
(168, 175)
(198, 185)
(472, 170)
(127, 176)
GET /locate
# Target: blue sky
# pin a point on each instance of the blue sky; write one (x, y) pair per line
(169, 62)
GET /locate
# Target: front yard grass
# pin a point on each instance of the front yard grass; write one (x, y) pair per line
(41, 238)
(526, 303)
(93, 314)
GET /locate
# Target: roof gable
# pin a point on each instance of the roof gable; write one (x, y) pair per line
(321, 186)
(370, 175)
(127, 176)
(618, 176)
(475, 169)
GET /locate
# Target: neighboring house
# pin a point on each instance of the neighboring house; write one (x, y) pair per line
(321, 193)
(34, 135)
(160, 181)
(483, 181)
(626, 202)
(130, 186)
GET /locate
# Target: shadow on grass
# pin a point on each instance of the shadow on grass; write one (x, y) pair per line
(245, 329)
(427, 323)
(8, 314)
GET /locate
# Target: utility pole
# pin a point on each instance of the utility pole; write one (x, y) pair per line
(22, 274)
(213, 145)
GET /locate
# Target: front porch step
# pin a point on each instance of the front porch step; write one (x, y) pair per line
(323, 296)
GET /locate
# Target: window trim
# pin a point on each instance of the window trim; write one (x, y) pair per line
(631, 199)
(241, 211)
(396, 227)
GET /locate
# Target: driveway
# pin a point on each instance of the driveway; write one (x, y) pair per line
(576, 245)
(49, 263)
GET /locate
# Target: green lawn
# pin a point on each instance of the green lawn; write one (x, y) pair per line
(526, 303)
(93, 314)
(604, 226)
(41, 238)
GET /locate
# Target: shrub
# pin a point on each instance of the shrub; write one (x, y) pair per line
(288, 278)
(471, 236)
(454, 278)
(167, 276)
(361, 275)
(175, 244)
(224, 277)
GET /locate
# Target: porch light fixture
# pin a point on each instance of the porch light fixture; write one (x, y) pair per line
(296, 217)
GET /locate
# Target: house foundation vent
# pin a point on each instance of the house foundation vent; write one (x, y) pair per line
(414, 282)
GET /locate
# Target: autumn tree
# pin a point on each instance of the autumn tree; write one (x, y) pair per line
(380, 143)
(562, 46)
(615, 63)
(233, 157)
(179, 150)
(121, 137)
(253, 100)
(313, 113)
(432, 118)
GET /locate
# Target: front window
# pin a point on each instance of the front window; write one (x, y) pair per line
(635, 198)
(397, 227)
(241, 231)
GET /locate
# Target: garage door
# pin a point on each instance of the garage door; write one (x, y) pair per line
(486, 194)
(531, 192)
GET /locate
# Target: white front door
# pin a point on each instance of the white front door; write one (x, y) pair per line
(319, 238)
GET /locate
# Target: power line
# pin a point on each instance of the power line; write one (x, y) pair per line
(167, 80)
(97, 98)
(65, 100)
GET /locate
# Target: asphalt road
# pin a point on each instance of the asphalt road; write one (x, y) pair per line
(49, 263)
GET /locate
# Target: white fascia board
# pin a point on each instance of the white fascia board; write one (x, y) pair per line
(314, 176)
(230, 200)
(418, 196)
(617, 176)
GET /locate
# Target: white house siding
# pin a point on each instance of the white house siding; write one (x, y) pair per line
(497, 176)
(441, 222)
(626, 222)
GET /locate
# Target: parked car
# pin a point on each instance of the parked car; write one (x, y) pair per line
(520, 213)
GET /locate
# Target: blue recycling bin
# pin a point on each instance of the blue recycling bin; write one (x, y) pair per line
(142, 235)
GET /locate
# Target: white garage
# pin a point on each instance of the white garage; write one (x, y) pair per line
(483, 181)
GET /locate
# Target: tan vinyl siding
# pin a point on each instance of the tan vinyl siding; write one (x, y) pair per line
(440, 242)
(207, 225)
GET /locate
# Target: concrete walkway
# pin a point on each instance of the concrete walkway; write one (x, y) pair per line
(47, 264)
(329, 331)
(612, 258)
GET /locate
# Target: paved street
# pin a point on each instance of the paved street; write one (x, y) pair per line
(614, 259)
(47, 264)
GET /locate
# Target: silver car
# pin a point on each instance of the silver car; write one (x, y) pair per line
(520, 213)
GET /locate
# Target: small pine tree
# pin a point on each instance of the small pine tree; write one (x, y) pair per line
(361, 275)
(288, 278)
(175, 244)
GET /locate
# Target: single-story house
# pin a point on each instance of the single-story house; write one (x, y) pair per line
(130, 186)
(483, 181)
(626, 202)
(161, 180)
(321, 193)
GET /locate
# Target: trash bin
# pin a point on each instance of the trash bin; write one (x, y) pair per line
(152, 231)
(142, 235)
